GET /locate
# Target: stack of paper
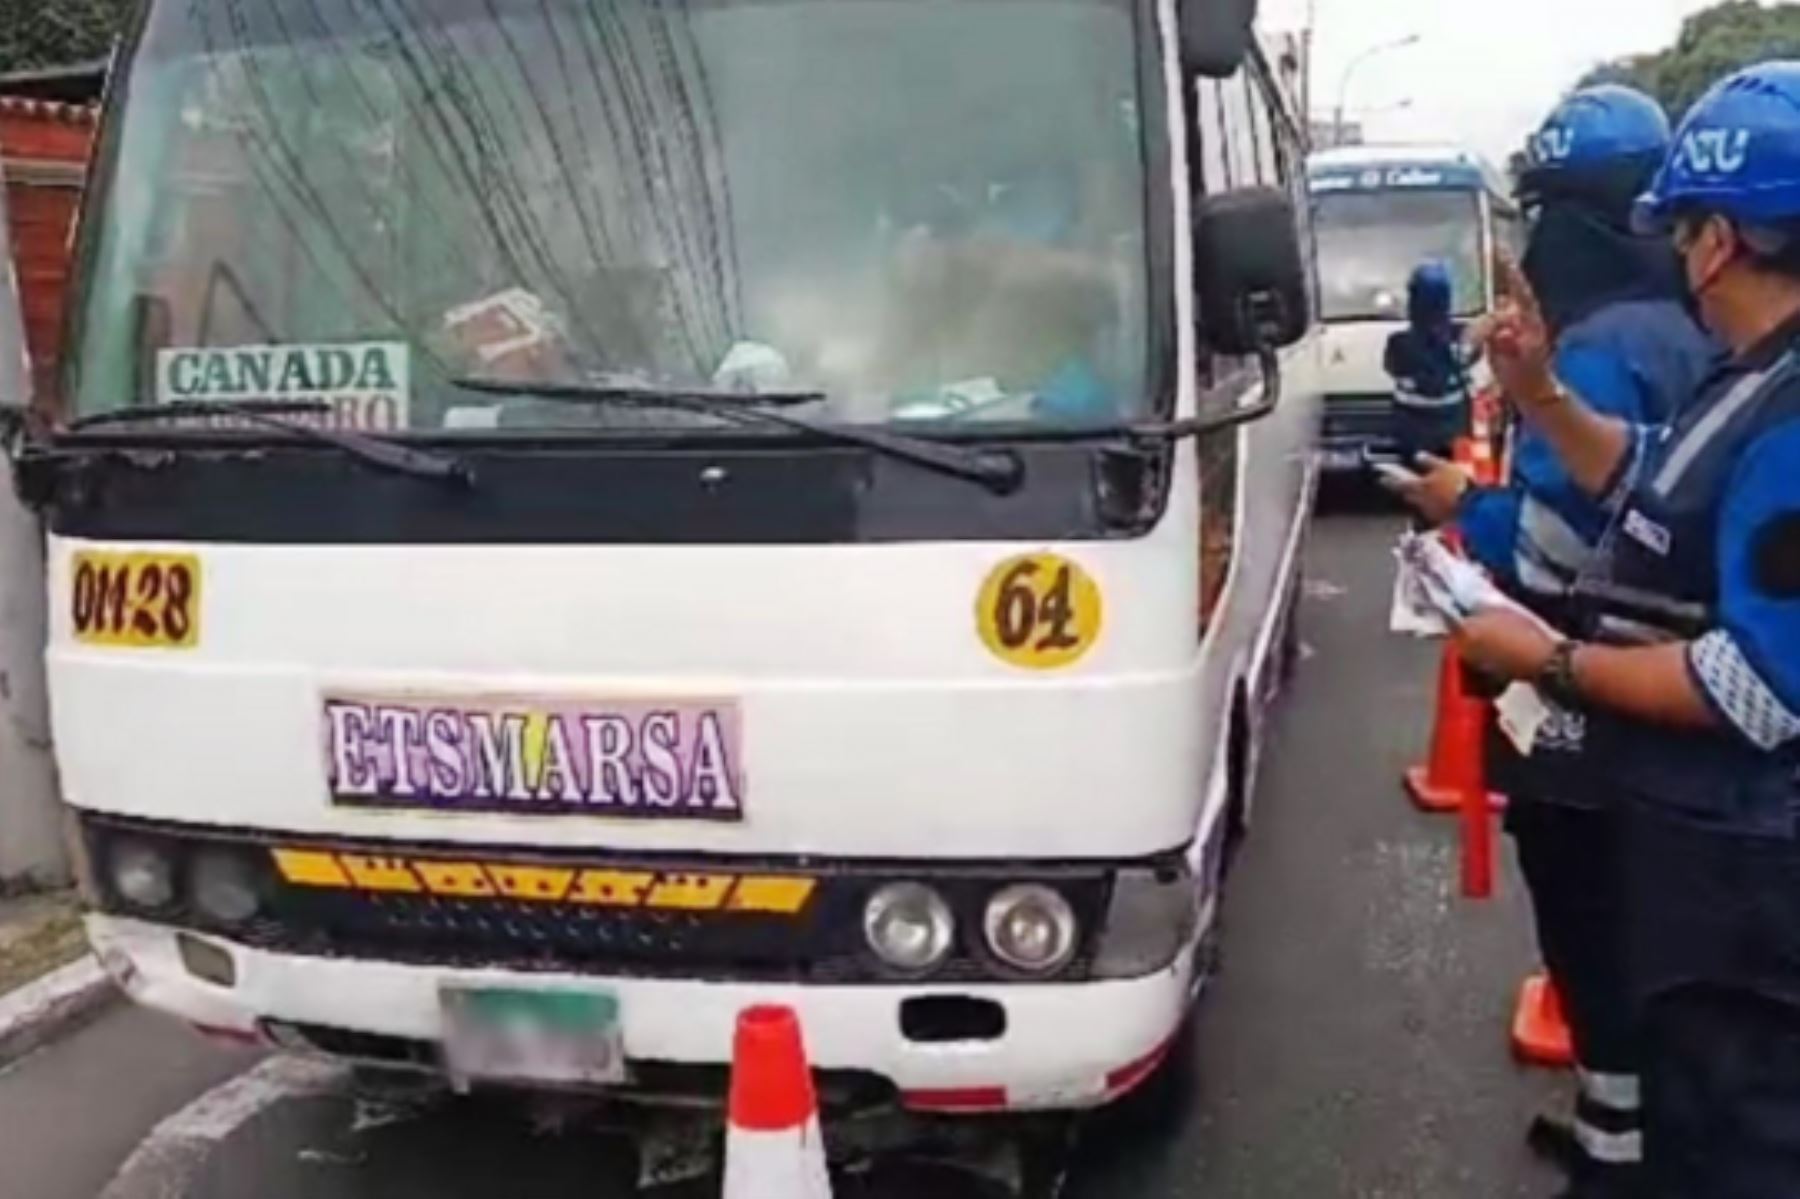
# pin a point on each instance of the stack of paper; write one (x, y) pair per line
(1438, 589)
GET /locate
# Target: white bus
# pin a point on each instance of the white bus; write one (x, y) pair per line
(1379, 212)
(586, 516)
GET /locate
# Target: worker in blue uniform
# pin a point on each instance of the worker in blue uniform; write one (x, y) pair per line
(1611, 303)
(1686, 653)
(1429, 362)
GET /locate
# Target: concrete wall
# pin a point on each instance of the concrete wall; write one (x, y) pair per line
(31, 848)
(45, 147)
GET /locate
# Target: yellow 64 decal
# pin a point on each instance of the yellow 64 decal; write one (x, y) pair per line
(1039, 611)
(139, 600)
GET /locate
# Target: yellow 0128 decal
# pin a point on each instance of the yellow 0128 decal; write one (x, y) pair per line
(1039, 611)
(140, 600)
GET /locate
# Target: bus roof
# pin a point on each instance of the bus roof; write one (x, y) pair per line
(1404, 167)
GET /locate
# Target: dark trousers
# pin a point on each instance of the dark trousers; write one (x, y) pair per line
(1572, 860)
(1716, 952)
(1722, 1094)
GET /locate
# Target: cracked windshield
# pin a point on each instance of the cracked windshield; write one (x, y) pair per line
(923, 209)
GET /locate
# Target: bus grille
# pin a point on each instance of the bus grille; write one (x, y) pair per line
(571, 912)
(1359, 419)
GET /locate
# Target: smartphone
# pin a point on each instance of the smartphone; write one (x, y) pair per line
(1393, 472)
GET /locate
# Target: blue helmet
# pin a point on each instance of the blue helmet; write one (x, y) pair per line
(1603, 142)
(1428, 294)
(1736, 154)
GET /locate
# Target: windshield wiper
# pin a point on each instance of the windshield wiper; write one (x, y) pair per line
(998, 471)
(374, 451)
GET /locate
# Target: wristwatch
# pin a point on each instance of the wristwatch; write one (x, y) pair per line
(1557, 677)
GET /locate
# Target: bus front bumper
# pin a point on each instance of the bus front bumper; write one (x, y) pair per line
(1355, 426)
(1064, 1046)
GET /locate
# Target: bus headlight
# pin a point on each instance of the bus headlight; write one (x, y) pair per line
(142, 874)
(1031, 928)
(224, 886)
(909, 926)
(1150, 920)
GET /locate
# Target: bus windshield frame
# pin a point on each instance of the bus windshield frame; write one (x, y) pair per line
(1015, 283)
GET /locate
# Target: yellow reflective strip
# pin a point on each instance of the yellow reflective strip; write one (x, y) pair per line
(380, 874)
(771, 893)
(613, 888)
(690, 892)
(310, 868)
(546, 883)
(455, 878)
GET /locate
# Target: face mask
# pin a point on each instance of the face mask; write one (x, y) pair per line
(1691, 293)
(1686, 292)
(1576, 263)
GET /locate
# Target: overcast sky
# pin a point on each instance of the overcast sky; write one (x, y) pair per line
(1481, 74)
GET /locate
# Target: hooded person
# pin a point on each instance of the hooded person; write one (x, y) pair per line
(1429, 364)
(1611, 300)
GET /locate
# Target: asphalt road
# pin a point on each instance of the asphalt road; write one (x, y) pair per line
(1354, 1045)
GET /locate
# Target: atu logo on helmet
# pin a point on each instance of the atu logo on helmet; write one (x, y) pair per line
(1715, 151)
(1555, 144)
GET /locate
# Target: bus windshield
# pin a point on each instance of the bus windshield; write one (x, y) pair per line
(923, 209)
(1370, 243)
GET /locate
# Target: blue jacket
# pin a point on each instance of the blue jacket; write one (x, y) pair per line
(1638, 360)
(1428, 366)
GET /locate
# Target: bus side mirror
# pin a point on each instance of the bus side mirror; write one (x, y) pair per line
(1250, 272)
(1216, 35)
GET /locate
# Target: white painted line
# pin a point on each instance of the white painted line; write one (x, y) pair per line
(39, 1011)
(168, 1161)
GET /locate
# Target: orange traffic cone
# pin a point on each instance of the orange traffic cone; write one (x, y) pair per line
(1488, 410)
(1482, 455)
(1456, 766)
(1540, 1034)
(774, 1148)
(1483, 462)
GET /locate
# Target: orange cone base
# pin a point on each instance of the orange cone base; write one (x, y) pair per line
(1429, 798)
(1539, 1034)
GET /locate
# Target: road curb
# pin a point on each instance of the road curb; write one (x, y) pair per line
(40, 1011)
(168, 1162)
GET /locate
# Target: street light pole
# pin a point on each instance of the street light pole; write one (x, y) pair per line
(1337, 124)
(1306, 68)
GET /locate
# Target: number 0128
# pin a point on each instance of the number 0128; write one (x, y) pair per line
(142, 600)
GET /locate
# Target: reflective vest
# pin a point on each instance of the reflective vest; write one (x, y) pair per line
(1662, 582)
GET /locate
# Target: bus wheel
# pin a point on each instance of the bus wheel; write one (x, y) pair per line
(1288, 655)
(1237, 804)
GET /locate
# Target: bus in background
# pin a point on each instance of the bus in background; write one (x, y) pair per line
(1378, 213)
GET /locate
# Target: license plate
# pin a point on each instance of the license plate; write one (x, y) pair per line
(1340, 459)
(568, 1038)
